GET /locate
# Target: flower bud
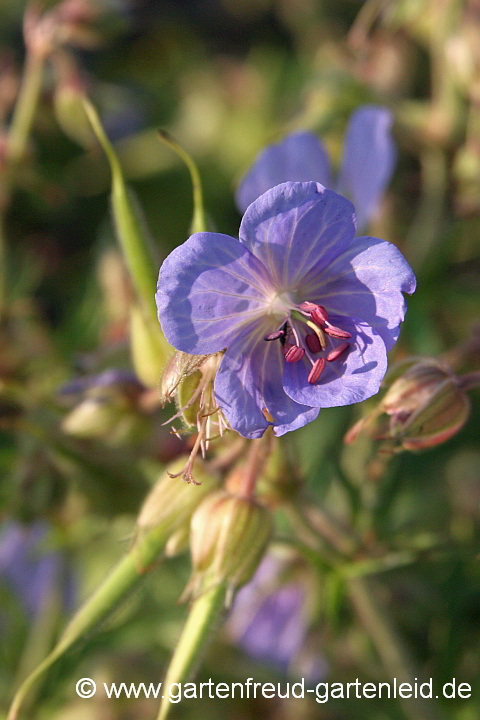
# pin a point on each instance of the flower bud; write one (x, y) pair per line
(228, 537)
(424, 403)
(150, 350)
(107, 407)
(93, 418)
(171, 501)
(438, 419)
(411, 389)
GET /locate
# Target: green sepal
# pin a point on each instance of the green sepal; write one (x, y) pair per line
(184, 394)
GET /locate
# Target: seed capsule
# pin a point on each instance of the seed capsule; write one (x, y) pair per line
(424, 404)
(171, 502)
(180, 366)
(149, 347)
(435, 421)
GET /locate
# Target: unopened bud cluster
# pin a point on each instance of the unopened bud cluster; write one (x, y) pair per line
(424, 404)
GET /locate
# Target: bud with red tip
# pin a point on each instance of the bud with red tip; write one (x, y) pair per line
(425, 405)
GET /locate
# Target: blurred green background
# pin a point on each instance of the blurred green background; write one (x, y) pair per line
(225, 77)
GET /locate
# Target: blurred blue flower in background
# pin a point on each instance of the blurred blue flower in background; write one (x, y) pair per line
(368, 163)
(305, 310)
(115, 378)
(30, 569)
(269, 622)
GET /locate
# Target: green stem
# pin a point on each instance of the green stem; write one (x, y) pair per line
(129, 231)
(129, 573)
(390, 648)
(310, 535)
(198, 220)
(425, 227)
(204, 615)
(323, 526)
(388, 644)
(25, 107)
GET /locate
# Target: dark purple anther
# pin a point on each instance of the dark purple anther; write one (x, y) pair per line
(313, 343)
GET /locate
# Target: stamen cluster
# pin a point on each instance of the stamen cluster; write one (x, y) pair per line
(320, 332)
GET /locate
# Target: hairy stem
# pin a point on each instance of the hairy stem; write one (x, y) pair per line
(204, 614)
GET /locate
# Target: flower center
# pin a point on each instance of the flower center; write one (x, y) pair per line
(305, 331)
(281, 305)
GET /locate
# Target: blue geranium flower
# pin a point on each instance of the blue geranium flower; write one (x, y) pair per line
(368, 163)
(304, 310)
(269, 621)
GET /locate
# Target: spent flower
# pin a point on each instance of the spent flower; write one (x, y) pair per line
(304, 310)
